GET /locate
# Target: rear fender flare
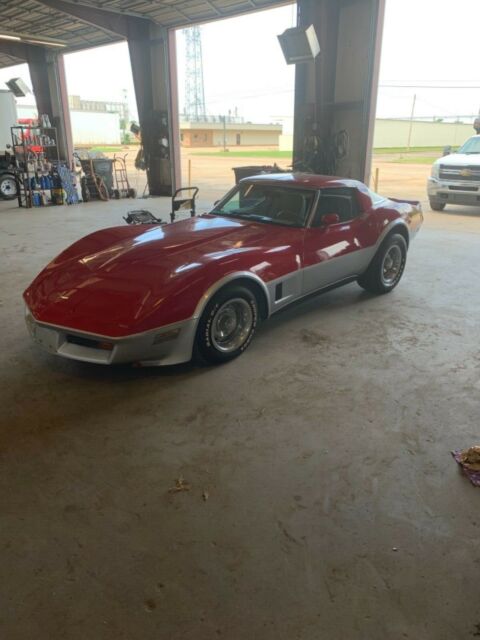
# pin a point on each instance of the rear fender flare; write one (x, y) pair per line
(398, 225)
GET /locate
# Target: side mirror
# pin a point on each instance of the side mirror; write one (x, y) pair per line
(330, 218)
(447, 150)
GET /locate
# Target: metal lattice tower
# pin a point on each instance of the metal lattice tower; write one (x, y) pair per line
(194, 93)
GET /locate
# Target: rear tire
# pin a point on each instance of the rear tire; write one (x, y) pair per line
(386, 268)
(227, 325)
(437, 205)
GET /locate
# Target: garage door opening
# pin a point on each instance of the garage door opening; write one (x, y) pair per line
(426, 111)
(235, 100)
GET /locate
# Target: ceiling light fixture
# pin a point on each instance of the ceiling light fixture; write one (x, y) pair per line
(28, 39)
(6, 37)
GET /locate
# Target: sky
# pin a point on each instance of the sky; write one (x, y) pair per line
(425, 43)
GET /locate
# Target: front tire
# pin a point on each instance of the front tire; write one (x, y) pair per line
(227, 325)
(387, 267)
(436, 205)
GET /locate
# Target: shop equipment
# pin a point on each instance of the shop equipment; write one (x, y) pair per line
(92, 184)
(122, 185)
(142, 216)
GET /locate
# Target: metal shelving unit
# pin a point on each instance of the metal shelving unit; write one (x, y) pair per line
(35, 149)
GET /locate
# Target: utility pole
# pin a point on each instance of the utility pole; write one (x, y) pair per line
(224, 133)
(411, 122)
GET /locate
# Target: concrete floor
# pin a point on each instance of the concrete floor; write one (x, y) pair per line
(334, 507)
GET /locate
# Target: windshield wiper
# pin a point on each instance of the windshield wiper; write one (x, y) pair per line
(268, 220)
(255, 217)
(221, 212)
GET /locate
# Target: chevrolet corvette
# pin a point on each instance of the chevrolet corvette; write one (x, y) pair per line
(160, 294)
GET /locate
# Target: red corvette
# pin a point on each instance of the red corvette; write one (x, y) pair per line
(158, 294)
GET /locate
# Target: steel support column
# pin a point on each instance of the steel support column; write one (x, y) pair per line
(335, 95)
(152, 55)
(47, 71)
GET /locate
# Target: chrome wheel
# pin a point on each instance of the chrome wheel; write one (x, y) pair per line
(231, 325)
(392, 265)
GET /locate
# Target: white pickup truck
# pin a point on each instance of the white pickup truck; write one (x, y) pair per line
(455, 178)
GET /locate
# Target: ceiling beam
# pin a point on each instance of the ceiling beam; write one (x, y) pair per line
(117, 10)
(214, 8)
(109, 21)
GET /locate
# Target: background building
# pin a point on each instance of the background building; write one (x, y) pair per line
(88, 127)
(213, 131)
(99, 106)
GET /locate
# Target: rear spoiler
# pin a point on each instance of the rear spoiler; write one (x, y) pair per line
(414, 203)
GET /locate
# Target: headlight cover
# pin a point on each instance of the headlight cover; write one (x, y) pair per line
(435, 170)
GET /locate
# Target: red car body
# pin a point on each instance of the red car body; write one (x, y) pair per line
(135, 293)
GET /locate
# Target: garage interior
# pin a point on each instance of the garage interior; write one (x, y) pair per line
(323, 500)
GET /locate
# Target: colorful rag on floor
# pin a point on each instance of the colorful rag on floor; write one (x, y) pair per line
(469, 460)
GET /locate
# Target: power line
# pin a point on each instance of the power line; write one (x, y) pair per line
(427, 86)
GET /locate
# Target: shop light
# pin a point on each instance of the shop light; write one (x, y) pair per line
(28, 39)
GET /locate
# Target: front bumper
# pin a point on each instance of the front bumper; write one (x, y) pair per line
(454, 192)
(168, 345)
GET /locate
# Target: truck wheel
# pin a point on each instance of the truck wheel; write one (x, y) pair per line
(387, 266)
(227, 325)
(437, 205)
(8, 187)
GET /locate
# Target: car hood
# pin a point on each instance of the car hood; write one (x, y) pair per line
(460, 160)
(130, 279)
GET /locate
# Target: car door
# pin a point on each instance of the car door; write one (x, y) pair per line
(336, 241)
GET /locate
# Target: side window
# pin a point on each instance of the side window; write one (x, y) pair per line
(341, 201)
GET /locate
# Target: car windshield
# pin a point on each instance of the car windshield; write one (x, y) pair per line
(267, 203)
(471, 146)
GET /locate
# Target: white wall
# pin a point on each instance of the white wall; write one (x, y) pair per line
(394, 133)
(285, 142)
(91, 127)
(88, 127)
(8, 117)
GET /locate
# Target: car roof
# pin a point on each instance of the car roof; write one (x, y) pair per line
(303, 180)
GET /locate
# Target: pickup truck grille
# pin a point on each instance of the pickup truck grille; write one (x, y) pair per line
(462, 174)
